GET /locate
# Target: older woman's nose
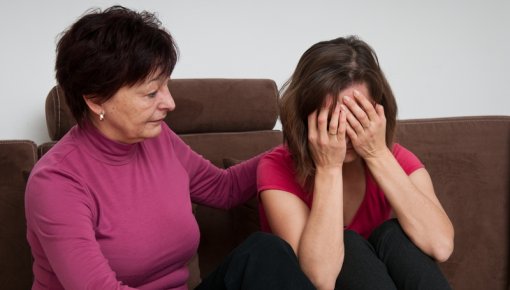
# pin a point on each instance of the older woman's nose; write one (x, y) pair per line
(167, 101)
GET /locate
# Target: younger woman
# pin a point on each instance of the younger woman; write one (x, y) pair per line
(329, 190)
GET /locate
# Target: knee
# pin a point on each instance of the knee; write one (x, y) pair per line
(351, 237)
(355, 243)
(390, 225)
(264, 238)
(267, 242)
(389, 230)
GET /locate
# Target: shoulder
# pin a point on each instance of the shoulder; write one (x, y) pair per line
(279, 153)
(60, 170)
(55, 187)
(407, 159)
(60, 155)
(276, 171)
(278, 158)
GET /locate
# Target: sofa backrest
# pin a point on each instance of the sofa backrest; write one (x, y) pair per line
(17, 157)
(468, 159)
(202, 106)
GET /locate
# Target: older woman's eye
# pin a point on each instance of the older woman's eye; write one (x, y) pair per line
(152, 95)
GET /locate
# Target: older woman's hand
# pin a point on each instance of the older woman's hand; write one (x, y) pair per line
(366, 125)
(327, 138)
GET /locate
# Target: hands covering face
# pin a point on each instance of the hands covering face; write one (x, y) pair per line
(366, 125)
(353, 117)
(327, 138)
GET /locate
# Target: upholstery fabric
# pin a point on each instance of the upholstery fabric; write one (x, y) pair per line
(468, 159)
(202, 105)
(222, 105)
(58, 116)
(17, 157)
(44, 147)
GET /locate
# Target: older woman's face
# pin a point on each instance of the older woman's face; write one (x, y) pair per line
(136, 113)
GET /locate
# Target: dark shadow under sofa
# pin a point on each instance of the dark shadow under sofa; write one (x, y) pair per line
(228, 120)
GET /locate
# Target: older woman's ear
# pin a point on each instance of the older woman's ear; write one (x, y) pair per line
(93, 105)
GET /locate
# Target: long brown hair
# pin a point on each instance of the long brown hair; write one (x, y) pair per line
(327, 68)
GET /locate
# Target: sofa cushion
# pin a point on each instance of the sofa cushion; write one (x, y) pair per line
(17, 157)
(58, 116)
(468, 159)
(223, 105)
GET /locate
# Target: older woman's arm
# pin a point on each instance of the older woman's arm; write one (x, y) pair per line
(210, 185)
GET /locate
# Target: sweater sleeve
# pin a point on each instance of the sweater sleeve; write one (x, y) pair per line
(212, 186)
(60, 215)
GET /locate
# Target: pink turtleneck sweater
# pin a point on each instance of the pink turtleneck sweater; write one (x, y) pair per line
(105, 215)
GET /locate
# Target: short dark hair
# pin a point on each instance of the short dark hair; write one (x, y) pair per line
(327, 68)
(106, 50)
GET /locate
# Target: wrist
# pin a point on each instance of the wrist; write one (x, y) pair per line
(379, 156)
(329, 170)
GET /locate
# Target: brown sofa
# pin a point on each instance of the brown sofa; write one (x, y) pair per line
(227, 120)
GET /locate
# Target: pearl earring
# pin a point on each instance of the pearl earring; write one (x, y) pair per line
(101, 116)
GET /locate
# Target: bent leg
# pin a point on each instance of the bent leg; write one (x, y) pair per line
(408, 266)
(263, 261)
(362, 269)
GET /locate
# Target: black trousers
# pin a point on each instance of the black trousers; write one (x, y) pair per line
(388, 260)
(263, 261)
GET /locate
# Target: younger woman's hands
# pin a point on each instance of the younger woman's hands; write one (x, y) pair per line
(327, 138)
(366, 125)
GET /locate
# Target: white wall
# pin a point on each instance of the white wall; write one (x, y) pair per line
(442, 58)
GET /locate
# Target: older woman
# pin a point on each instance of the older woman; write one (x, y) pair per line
(334, 182)
(109, 206)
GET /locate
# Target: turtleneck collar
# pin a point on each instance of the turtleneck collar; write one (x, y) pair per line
(102, 148)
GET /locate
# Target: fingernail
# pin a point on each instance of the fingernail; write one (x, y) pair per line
(347, 98)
